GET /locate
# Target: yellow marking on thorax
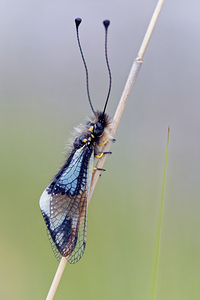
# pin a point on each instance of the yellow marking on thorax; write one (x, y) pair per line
(91, 128)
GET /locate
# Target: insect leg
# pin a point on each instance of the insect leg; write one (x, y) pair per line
(98, 169)
(104, 143)
(102, 153)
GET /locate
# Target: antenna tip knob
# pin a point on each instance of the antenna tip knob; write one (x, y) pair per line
(106, 23)
(78, 22)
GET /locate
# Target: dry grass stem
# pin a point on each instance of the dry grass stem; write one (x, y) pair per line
(150, 29)
(117, 117)
(57, 278)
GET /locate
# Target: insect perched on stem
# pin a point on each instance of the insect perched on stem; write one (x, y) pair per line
(64, 202)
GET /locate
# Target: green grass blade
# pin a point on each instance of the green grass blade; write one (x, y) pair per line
(158, 232)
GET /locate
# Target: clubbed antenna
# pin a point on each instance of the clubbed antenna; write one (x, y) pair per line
(106, 23)
(78, 22)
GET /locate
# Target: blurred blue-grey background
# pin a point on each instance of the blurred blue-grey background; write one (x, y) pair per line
(43, 96)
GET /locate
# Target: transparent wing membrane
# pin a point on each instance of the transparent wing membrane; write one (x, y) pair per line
(57, 254)
(81, 238)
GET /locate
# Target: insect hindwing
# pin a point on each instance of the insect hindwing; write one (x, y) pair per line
(64, 205)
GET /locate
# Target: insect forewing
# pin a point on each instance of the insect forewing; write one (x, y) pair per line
(64, 206)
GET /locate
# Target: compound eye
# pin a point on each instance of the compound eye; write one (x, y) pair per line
(98, 129)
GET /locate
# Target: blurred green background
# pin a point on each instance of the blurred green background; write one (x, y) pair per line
(43, 96)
